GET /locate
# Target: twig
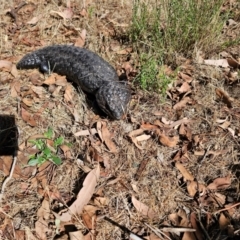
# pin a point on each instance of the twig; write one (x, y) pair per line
(227, 208)
(9, 177)
(126, 230)
(202, 227)
(156, 232)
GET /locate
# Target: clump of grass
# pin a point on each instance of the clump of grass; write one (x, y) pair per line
(162, 29)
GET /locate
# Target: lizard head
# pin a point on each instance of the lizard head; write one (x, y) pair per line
(113, 99)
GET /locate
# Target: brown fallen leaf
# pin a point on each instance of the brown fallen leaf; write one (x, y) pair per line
(41, 228)
(233, 63)
(143, 137)
(223, 221)
(80, 42)
(184, 88)
(67, 152)
(34, 20)
(219, 63)
(15, 88)
(185, 77)
(107, 138)
(14, 71)
(143, 208)
(65, 14)
(168, 141)
(43, 214)
(4, 64)
(182, 103)
(50, 80)
(223, 95)
(152, 236)
(125, 51)
(220, 183)
(195, 225)
(60, 80)
(86, 132)
(99, 129)
(148, 127)
(38, 90)
(28, 118)
(76, 235)
(28, 101)
(184, 130)
(83, 196)
(68, 95)
(88, 215)
(19, 235)
(186, 174)
(84, 12)
(225, 125)
(133, 135)
(193, 187)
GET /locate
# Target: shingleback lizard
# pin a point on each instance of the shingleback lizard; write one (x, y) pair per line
(91, 72)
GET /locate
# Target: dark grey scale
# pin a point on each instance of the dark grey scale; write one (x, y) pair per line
(91, 72)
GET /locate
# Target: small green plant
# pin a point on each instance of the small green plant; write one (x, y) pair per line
(153, 77)
(46, 153)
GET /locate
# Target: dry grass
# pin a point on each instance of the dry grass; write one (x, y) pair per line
(160, 186)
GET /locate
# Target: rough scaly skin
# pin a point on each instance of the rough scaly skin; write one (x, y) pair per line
(91, 72)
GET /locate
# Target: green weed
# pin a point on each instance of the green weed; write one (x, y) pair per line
(162, 29)
(46, 153)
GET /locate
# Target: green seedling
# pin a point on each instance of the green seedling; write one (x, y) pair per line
(46, 153)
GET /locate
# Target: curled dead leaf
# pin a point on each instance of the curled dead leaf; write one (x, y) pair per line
(168, 141)
(220, 183)
(223, 95)
(186, 174)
